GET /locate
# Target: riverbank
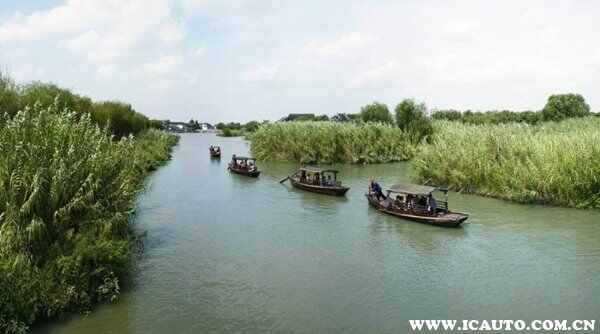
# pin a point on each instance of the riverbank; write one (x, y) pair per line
(67, 193)
(554, 163)
(549, 163)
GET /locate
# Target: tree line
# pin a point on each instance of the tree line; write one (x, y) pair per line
(557, 108)
(120, 118)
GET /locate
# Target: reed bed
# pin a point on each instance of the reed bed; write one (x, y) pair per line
(67, 192)
(552, 163)
(329, 142)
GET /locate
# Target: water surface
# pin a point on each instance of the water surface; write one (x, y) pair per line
(230, 254)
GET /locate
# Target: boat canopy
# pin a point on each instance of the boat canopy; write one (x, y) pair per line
(414, 189)
(244, 158)
(316, 169)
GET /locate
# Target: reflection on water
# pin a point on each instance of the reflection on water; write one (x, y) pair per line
(226, 253)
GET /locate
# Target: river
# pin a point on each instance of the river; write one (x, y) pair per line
(229, 254)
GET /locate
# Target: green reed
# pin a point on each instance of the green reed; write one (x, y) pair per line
(329, 142)
(555, 163)
(67, 193)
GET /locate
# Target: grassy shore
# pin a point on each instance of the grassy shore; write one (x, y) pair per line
(67, 193)
(554, 163)
(328, 142)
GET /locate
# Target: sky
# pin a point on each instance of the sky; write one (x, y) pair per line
(238, 60)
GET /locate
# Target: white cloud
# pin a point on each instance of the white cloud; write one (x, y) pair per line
(384, 74)
(200, 51)
(104, 31)
(269, 58)
(261, 73)
(84, 42)
(342, 46)
(166, 66)
(107, 70)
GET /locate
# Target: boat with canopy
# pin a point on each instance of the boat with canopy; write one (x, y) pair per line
(243, 166)
(317, 180)
(215, 151)
(416, 203)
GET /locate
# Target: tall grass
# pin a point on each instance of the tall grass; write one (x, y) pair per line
(554, 163)
(328, 142)
(67, 193)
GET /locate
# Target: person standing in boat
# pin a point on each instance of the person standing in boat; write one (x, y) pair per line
(374, 187)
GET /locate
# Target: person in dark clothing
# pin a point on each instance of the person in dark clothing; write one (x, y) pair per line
(374, 187)
(432, 204)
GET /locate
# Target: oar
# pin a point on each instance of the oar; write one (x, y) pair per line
(287, 177)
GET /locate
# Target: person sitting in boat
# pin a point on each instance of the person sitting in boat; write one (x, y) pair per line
(432, 205)
(317, 180)
(410, 201)
(329, 181)
(399, 201)
(375, 188)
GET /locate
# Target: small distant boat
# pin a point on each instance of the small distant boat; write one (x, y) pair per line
(215, 151)
(317, 180)
(243, 166)
(416, 203)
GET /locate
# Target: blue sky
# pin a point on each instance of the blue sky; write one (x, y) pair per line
(241, 60)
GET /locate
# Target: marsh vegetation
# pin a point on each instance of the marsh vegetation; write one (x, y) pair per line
(67, 192)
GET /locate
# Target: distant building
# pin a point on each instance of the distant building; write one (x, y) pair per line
(206, 127)
(181, 127)
(295, 117)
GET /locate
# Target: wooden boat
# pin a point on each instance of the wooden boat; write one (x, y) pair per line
(243, 166)
(215, 151)
(317, 180)
(416, 203)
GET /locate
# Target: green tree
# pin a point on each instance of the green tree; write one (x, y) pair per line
(411, 117)
(251, 126)
(376, 112)
(563, 106)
